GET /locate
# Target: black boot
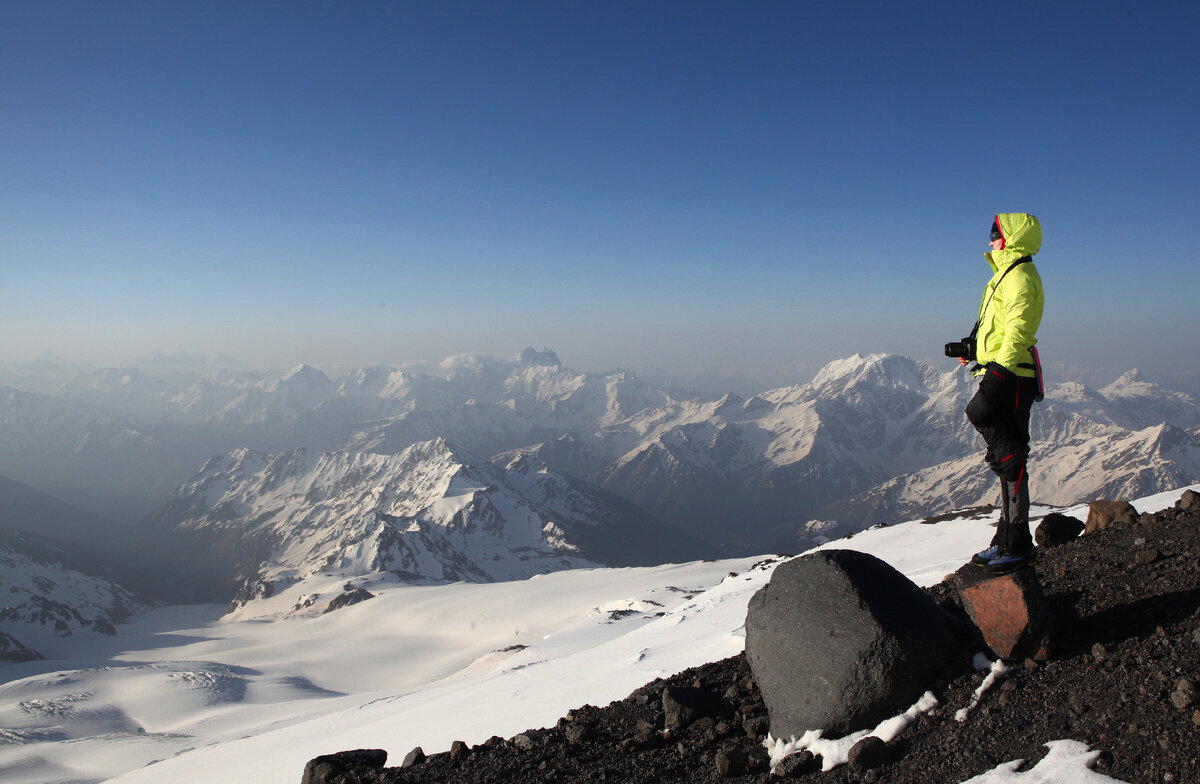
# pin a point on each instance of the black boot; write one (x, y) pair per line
(1016, 547)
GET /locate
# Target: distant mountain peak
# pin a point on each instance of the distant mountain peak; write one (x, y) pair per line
(882, 370)
(844, 368)
(1131, 382)
(305, 373)
(544, 357)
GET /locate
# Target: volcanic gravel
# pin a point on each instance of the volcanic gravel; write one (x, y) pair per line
(1123, 676)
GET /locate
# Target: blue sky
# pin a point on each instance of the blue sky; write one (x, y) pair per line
(720, 194)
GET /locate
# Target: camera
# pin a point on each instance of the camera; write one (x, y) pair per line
(964, 348)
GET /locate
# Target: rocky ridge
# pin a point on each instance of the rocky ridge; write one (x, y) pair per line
(1121, 676)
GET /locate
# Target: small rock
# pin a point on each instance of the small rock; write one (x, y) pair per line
(1102, 514)
(756, 726)
(1057, 529)
(1145, 557)
(459, 750)
(1099, 652)
(414, 757)
(798, 764)
(523, 742)
(326, 768)
(869, 753)
(731, 762)
(1189, 500)
(704, 726)
(1184, 695)
(579, 733)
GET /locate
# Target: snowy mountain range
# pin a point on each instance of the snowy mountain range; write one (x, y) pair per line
(427, 513)
(45, 593)
(485, 469)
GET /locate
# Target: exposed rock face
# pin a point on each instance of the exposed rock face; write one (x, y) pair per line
(1102, 514)
(840, 640)
(13, 650)
(349, 597)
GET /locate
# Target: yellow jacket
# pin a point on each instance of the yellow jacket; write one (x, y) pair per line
(1009, 315)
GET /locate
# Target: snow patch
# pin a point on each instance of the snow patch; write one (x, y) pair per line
(836, 751)
(997, 669)
(1068, 762)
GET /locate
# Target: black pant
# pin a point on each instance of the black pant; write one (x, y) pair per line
(1000, 412)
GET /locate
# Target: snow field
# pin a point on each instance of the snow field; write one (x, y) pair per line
(258, 693)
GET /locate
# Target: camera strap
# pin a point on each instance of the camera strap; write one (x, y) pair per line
(983, 310)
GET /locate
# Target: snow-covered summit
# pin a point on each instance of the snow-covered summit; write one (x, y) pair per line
(886, 371)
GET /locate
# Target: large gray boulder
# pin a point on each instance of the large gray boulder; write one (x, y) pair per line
(839, 640)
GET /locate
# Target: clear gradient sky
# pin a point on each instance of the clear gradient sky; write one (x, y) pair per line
(723, 194)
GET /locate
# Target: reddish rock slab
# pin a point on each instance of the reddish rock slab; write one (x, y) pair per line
(1010, 613)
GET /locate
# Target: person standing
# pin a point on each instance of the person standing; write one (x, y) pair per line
(1009, 373)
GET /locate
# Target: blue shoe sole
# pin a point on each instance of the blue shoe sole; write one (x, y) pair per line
(1008, 564)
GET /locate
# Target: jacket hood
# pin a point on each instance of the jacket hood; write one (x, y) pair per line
(1022, 237)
